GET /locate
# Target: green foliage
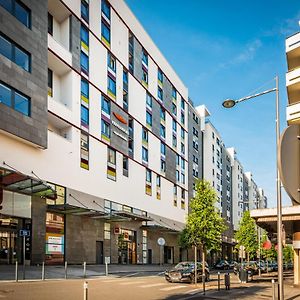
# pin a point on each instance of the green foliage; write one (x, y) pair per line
(204, 225)
(288, 254)
(247, 235)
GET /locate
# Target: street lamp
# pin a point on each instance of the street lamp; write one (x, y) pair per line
(229, 103)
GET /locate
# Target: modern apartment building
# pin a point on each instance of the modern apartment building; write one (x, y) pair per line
(94, 136)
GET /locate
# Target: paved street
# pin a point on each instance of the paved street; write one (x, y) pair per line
(135, 286)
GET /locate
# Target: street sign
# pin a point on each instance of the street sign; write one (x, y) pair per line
(24, 232)
(289, 161)
(161, 241)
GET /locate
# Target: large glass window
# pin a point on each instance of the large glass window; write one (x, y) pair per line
(14, 53)
(14, 99)
(105, 128)
(50, 24)
(17, 9)
(84, 62)
(160, 93)
(148, 118)
(148, 176)
(162, 113)
(84, 88)
(145, 154)
(105, 31)
(160, 75)
(163, 148)
(145, 57)
(111, 85)
(149, 100)
(111, 62)
(111, 156)
(84, 35)
(105, 7)
(105, 105)
(50, 83)
(84, 115)
(85, 10)
(162, 131)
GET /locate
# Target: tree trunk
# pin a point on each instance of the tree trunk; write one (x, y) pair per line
(203, 262)
(248, 258)
(195, 265)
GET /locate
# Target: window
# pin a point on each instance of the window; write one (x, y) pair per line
(111, 156)
(162, 165)
(163, 148)
(145, 76)
(13, 52)
(105, 32)
(105, 128)
(158, 181)
(50, 24)
(14, 99)
(162, 131)
(125, 80)
(125, 166)
(84, 10)
(148, 118)
(182, 133)
(182, 118)
(84, 115)
(174, 125)
(84, 88)
(177, 176)
(84, 63)
(174, 93)
(84, 35)
(145, 135)
(144, 154)
(148, 175)
(145, 57)
(84, 151)
(174, 109)
(182, 104)
(162, 114)
(174, 140)
(17, 9)
(111, 86)
(182, 148)
(177, 159)
(160, 75)
(111, 62)
(107, 231)
(182, 164)
(105, 8)
(160, 93)
(125, 90)
(183, 178)
(50, 83)
(148, 100)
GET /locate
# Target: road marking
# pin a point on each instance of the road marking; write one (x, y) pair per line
(173, 288)
(160, 273)
(194, 291)
(152, 285)
(131, 282)
(132, 274)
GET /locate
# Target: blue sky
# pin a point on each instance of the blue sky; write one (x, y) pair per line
(229, 49)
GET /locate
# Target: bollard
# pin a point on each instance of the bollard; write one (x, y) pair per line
(106, 269)
(66, 269)
(85, 290)
(43, 270)
(273, 290)
(218, 281)
(203, 282)
(84, 269)
(227, 281)
(16, 271)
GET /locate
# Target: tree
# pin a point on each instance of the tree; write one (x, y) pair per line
(204, 224)
(247, 235)
(288, 254)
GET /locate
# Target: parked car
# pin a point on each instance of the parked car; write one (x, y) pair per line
(251, 267)
(232, 263)
(185, 271)
(222, 265)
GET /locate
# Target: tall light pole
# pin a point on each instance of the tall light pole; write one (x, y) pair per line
(229, 103)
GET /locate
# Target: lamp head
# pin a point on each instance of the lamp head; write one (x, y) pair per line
(229, 103)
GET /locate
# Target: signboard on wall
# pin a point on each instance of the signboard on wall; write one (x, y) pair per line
(54, 243)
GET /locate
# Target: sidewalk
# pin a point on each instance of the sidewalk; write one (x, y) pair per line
(7, 272)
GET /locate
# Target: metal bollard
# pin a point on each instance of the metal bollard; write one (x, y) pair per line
(85, 290)
(218, 281)
(43, 270)
(66, 269)
(106, 269)
(203, 283)
(16, 272)
(84, 269)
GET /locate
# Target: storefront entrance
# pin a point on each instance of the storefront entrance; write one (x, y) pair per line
(168, 255)
(127, 247)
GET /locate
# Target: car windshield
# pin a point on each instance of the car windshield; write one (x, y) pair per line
(184, 265)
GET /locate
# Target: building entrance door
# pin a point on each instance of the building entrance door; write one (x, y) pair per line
(127, 247)
(168, 255)
(99, 252)
(8, 247)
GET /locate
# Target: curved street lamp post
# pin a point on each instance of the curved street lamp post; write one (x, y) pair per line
(229, 103)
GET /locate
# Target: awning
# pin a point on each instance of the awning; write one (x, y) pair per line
(160, 228)
(132, 216)
(17, 182)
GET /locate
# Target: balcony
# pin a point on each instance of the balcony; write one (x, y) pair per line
(293, 85)
(292, 45)
(293, 113)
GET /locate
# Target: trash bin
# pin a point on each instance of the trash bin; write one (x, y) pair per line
(243, 275)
